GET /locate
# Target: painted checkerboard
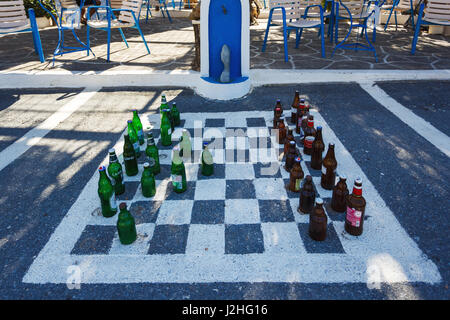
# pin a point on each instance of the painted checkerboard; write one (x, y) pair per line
(241, 224)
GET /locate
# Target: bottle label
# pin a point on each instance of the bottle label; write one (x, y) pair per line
(309, 141)
(354, 217)
(297, 184)
(127, 159)
(112, 202)
(177, 181)
(294, 110)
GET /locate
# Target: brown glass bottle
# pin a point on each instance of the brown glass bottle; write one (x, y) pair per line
(289, 138)
(281, 136)
(318, 222)
(296, 176)
(276, 118)
(309, 132)
(290, 157)
(329, 165)
(275, 109)
(340, 193)
(307, 196)
(356, 206)
(294, 109)
(317, 149)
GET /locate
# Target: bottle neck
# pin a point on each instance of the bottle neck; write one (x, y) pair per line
(150, 141)
(311, 123)
(112, 158)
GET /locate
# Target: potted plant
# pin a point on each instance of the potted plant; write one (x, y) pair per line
(43, 18)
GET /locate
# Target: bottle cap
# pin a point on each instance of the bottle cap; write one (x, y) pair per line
(319, 201)
(205, 143)
(122, 206)
(278, 100)
(331, 144)
(112, 150)
(298, 159)
(146, 165)
(319, 128)
(302, 100)
(129, 121)
(292, 143)
(358, 180)
(102, 168)
(308, 178)
(343, 176)
(174, 103)
(134, 110)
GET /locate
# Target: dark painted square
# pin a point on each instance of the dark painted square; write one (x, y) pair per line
(182, 122)
(95, 239)
(275, 211)
(219, 172)
(313, 172)
(331, 244)
(130, 190)
(145, 211)
(240, 189)
(143, 157)
(169, 147)
(236, 132)
(208, 212)
(243, 239)
(258, 166)
(169, 239)
(186, 195)
(164, 171)
(333, 215)
(259, 142)
(256, 122)
(237, 155)
(216, 123)
(156, 133)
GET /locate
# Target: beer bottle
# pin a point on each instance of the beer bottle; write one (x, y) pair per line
(137, 125)
(290, 157)
(115, 172)
(126, 226)
(310, 135)
(281, 136)
(356, 206)
(148, 181)
(175, 114)
(278, 110)
(295, 105)
(152, 154)
(289, 138)
(307, 196)
(318, 222)
(329, 165)
(106, 194)
(178, 171)
(317, 148)
(340, 193)
(164, 104)
(207, 161)
(129, 157)
(302, 107)
(296, 176)
(276, 118)
(166, 129)
(185, 144)
(133, 138)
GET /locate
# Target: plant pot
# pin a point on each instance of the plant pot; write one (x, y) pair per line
(43, 22)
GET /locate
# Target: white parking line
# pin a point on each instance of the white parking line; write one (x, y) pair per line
(33, 136)
(439, 139)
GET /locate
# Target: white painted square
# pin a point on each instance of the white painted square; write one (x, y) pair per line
(239, 171)
(238, 211)
(206, 239)
(160, 195)
(270, 189)
(218, 156)
(282, 237)
(191, 171)
(235, 119)
(263, 155)
(175, 212)
(258, 132)
(210, 189)
(323, 193)
(165, 156)
(140, 246)
(136, 177)
(284, 173)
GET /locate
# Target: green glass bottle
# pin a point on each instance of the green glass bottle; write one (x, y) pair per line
(148, 181)
(152, 154)
(207, 161)
(164, 104)
(106, 194)
(115, 172)
(166, 130)
(178, 172)
(126, 226)
(129, 157)
(185, 145)
(175, 114)
(133, 138)
(137, 125)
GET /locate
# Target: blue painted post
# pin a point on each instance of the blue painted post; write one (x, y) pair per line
(416, 32)
(35, 33)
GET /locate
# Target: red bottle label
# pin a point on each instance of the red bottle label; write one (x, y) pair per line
(309, 141)
(354, 217)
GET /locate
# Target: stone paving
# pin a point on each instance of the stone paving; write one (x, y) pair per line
(172, 47)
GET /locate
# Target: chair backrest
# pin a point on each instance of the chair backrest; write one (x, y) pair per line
(437, 11)
(133, 5)
(406, 4)
(356, 7)
(12, 16)
(68, 3)
(293, 8)
(116, 4)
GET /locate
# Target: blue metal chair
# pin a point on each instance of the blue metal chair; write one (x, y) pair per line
(435, 12)
(127, 17)
(68, 15)
(162, 6)
(358, 13)
(289, 15)
(13, 19)
(401, 6)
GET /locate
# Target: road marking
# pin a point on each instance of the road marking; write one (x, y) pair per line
(383, 254)
(436, 137)
(33, 136)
